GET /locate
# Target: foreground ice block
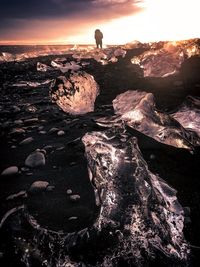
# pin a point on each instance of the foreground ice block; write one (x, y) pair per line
(76, 93)
(139, 209)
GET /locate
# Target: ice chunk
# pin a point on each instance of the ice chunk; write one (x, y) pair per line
(137, 110)
(76, 94)
(43, 67)
(141, 203)
(165, 59)
(188, 115)
(66, 67)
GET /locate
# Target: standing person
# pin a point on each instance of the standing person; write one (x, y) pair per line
(98, 35)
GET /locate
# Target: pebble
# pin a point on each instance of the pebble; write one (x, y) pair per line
(74, 198)
(152, 156)
(60, 133)
(42, 132)
(17, 131)
(38, 186)
(60, 148)
(18, 122)
(69, 192)
(32, 120)
(50, 188)
(26, 141)
(73, 218)
(24, 169)
(53, 130)
(13, 170)
(72, 163)
(40, 128)
(35, 159)
(16, 109)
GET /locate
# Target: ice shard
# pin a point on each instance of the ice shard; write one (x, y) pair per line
(138, 208)
(76, 93)
(138, 110)
(188, 114)
(165, 59)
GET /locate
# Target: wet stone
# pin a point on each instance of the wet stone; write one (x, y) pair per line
(74, 198)
(17, 131)
(18, 122)
(73, 218)
(38, 187)
(69, 192)
(26, 141)
(60, 133)
(53, 130)
(42, 132)
(35, 159)
(10, 171)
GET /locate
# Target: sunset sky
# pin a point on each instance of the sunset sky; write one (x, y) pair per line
(74, 21)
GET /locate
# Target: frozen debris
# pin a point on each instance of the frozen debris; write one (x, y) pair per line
(76, 94)
(141, 203)
(30, 84)
(138, 111)
(165, 58)
(43, 67)
(188, 114)
(65, 67)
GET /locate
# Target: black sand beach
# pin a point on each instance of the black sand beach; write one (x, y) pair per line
(31, 109)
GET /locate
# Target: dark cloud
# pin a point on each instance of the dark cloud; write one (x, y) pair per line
(39, 9)
(17, 15)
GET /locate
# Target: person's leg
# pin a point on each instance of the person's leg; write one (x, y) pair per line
(101, 44)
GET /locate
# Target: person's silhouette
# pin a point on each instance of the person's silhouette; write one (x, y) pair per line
(98, 35)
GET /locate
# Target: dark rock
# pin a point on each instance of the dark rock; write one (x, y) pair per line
(35, 159)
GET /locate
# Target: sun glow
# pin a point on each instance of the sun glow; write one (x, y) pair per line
(159, 20)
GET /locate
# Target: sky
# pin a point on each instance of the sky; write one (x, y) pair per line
(74, 21)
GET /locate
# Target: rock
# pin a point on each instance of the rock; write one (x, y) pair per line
(76, 94)
(26, 141)
(42, 132)
(32, 120)
(60, 133)
(53, 130)
(38, 187)
(152, 156)
(35, 159)
(73, 218)
(40, 128)
(10, 171)
(50, 188)
(16, 109)
(69, 192)
(17, 131)
(74, 198)
(18, 122)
